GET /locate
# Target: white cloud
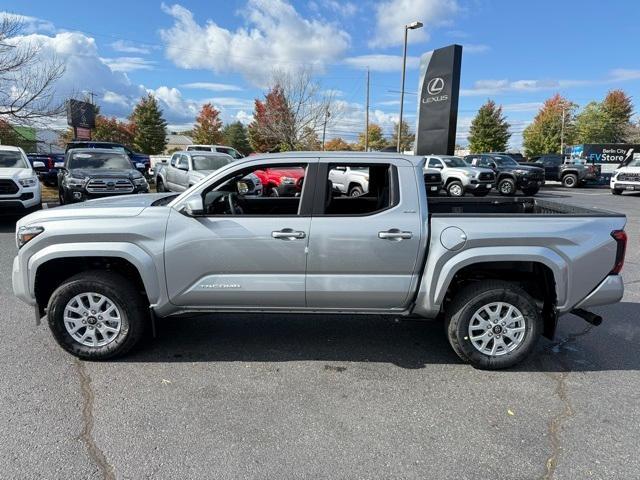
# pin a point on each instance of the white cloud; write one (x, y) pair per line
(275, 36)
(125, 46)
(624, 74)
(345, 9)
(214, 87)
(475, 48)
(381, 63)
(393, 15)
(244, 117)
(522, 107)
(129, 64)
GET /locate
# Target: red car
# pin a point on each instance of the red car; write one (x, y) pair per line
(281, 181)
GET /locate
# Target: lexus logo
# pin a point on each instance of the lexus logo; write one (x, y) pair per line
(435, 86)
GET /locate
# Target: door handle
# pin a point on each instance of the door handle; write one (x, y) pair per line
(288, 234)
(395, 234)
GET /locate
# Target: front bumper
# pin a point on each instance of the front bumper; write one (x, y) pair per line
(24, 199)
(630, 186)
(610, 290)
(530, 182)
(480, 186)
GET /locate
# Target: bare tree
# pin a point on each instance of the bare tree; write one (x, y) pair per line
(295, 111)
(26, 79)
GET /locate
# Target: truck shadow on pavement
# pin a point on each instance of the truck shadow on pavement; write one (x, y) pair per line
(406, 343)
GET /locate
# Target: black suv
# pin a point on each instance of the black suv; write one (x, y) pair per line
(510, 175)
(93, 173)
(569, 172)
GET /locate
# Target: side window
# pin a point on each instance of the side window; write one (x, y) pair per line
(173, 160)
(435, 163)
(378, 190)
(261, 190)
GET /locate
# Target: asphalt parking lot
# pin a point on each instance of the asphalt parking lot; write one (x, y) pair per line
(239, 396)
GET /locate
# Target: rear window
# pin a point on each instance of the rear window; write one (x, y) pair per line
(99, 160)
(209, 162)
(198, 148)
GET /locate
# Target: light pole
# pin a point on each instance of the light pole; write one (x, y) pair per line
(410, 26)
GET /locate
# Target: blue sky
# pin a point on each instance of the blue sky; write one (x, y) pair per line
(516, 52)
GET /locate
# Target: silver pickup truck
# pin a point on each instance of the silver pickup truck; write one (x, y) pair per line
(185, 169)
(497, 272)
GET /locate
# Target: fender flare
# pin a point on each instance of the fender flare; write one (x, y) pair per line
(135, 255)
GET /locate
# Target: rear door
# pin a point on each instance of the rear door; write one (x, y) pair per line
(363, 250)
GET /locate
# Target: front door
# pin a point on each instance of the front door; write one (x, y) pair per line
(363, 250)
(245, 252)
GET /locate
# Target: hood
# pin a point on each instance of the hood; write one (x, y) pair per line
(122, 206)
(628, 170)
(15, 172)
(527, 168)
(474, 171)
(95, 173)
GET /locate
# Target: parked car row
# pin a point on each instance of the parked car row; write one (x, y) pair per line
(570, 173)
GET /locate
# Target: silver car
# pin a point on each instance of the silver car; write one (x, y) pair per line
(459, 178)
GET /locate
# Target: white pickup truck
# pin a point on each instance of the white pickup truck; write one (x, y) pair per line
(19, 185)
(627, 176)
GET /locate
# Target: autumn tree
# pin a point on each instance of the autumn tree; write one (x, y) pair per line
(377, 141)
(489, 131)
(618, 109)
(407, 137)
(547, 131)
(235, 135)
(112, 130)
(267, 116)
(149, 127)
(591, 124)
(337, 145)
(208, 127)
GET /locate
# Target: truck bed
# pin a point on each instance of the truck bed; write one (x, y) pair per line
(508, 206)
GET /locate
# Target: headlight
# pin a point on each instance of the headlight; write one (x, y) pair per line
(26, 234)
(287, 181)
(28, 182)
(468, 174)
(75, 182)
(140, 182)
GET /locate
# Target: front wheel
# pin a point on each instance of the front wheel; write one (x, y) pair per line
(160, 185)
(96, 315)
(507, 187)
(616, 191)
(570, 180)
(355, 191)
(455, 189)
(493, 324)
(530, 192)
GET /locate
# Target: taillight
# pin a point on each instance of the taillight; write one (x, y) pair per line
(620, 237)
(50, 163)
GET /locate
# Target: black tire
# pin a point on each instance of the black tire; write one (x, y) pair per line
(469, 300)
(616, 191)
(160, 188)
(507, 187)
(133, 312)
(355, 191)
(530, 192)
(570, 180)
(482, 193)
(61, 197)
(455, 188)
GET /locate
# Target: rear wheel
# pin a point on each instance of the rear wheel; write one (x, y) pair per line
(355, 191)
(507, 187)
(455, 189)
(616, 191)
(61, 198)
(493, 324)
(530, 192)
(160, 185)
(570, 180)
(97, 315)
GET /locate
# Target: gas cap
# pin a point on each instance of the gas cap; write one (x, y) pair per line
(453, 238)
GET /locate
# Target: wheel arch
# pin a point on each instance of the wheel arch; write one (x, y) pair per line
(53, 265)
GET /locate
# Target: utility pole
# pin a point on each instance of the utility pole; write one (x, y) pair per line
(366, 118)
(324, 126)
(562, 134)
(410, 26)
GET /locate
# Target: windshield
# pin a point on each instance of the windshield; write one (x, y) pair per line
(635, 161)
(12, 159)
(209, 162)
(454, 162)
(99, 160)
(504, 161)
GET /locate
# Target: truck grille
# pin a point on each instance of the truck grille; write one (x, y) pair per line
(432, 178)
(629, 177)
(8, 187)
(486, 176)
(108, 185)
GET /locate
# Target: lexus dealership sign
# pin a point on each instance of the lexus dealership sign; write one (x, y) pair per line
(438, 102)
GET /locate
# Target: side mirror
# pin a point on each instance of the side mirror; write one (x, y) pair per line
(140, 165)
(242, 188)
(38, 164)
(184, 168)
(438, 166)
(194, 206)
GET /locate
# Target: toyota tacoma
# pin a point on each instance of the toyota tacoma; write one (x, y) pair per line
(105, 270)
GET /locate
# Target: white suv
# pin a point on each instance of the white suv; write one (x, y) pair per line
(19, 184)
(627, 177)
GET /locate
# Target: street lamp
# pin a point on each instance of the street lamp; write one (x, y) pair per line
(410, 26)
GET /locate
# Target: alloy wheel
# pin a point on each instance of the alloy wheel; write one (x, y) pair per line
(92, 319)
(497, 328)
